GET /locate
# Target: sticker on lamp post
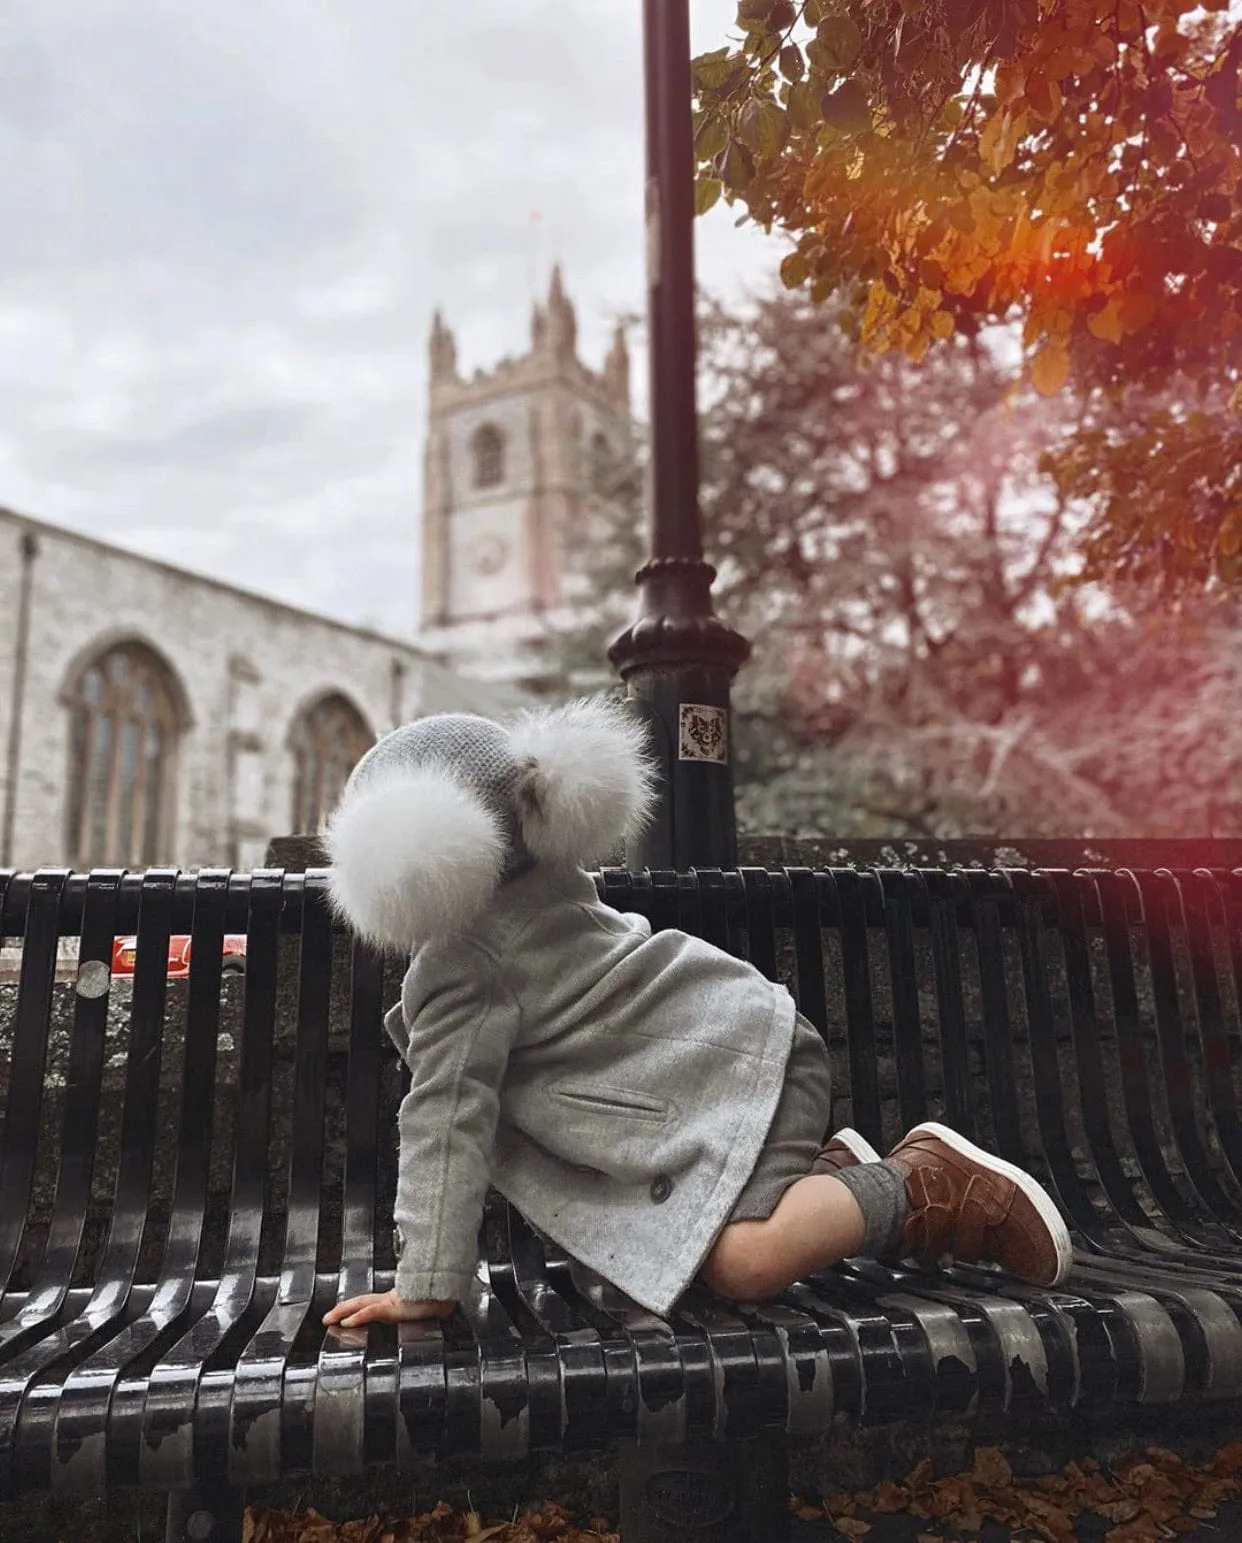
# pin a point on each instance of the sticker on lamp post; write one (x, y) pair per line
(704, 734)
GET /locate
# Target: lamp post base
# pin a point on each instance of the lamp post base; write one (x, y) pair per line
(678, 661)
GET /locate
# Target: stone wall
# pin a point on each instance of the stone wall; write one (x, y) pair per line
(776, 851)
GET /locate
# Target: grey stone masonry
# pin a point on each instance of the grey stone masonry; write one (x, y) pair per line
(244, 668)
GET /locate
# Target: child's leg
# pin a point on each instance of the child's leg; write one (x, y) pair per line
(937, 1194)
(817, 1222)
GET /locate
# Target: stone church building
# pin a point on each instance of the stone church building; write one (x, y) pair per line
(153, 716)
(149, 715)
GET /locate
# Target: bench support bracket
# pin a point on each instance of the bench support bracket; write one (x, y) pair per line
(722, 1492)
(208, 1515)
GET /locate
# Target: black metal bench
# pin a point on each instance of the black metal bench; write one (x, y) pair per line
(190, 1175)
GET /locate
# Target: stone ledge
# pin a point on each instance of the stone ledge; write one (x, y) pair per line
(779, 851)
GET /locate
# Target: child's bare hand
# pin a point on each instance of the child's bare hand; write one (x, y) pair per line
(383, 1307)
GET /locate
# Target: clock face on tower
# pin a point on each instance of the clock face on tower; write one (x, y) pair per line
(489, 554)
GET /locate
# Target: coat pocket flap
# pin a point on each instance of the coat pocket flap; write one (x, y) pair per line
(598, 1098)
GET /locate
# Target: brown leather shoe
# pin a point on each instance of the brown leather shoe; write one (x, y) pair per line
(846, 1150)
(978, 1209)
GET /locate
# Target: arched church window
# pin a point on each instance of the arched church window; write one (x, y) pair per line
(329, 739)
(124, 724)
(488, 450)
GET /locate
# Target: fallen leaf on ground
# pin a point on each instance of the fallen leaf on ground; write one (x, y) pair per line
(991, 1469)
(1143, 1529)
(1120, 1510)
(888, 1497)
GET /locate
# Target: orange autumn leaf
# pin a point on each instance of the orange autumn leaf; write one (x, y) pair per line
(1106, 324)
(1050, 369)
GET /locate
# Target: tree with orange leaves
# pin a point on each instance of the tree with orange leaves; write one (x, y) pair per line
(1068, 166)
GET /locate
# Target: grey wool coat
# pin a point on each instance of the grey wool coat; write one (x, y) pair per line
(616, 1085)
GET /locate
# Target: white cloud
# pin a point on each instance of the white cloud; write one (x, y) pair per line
(226, 228)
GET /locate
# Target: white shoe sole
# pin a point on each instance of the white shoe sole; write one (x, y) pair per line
(1031, 1188)
(858, 1146)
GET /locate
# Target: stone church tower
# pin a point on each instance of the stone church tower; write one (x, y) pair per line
(516, 457)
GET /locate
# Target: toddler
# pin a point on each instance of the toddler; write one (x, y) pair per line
(653, 1104)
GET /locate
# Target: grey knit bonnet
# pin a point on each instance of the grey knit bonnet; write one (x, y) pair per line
(441, 813)
(474, 751)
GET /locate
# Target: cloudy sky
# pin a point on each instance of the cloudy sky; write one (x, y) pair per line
(225, 227)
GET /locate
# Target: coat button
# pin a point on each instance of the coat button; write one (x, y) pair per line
(398, 1242)
(661, 1188)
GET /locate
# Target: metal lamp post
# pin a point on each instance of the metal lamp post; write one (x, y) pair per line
(677, 659)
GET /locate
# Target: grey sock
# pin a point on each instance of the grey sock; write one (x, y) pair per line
(880, 1190)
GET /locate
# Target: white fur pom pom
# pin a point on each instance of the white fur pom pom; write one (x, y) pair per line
(586, 781)
(414, 855)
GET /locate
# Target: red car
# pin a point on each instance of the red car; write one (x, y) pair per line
(125, 951)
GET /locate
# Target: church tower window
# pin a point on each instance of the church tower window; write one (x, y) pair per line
(329, 739)
(600, 467)
(488, 450)
(124, 725)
